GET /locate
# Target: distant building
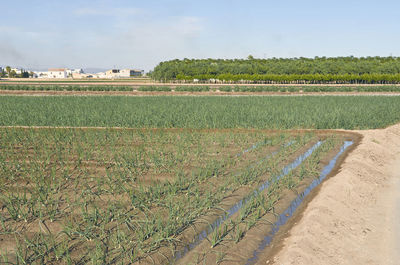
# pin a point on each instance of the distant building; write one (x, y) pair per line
(76, 75)
(124, 73)
(57, 73)
(74, 71)
(41, 74)
(131, 72)
(81, 75)
(100, 75)
(113, 73)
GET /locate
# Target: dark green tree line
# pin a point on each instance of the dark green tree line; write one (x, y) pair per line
(279, 70)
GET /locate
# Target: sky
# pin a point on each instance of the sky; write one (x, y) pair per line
(140, 34)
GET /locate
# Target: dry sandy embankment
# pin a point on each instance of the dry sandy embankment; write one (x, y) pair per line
(354, 219)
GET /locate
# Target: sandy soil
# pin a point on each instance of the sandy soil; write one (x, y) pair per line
(354, 219)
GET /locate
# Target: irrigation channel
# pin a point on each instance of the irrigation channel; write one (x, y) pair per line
(204, 233)
(284, 216)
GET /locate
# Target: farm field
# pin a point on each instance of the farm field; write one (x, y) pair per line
(185, 180)
(308, 112)
(112, 196)
(209, 133)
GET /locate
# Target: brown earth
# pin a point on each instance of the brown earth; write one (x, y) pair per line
(354, 217)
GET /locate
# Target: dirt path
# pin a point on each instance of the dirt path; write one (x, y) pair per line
(354, 219)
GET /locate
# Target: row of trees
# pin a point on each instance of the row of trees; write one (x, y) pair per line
(295, 78)
(318, 69)
(8, 72)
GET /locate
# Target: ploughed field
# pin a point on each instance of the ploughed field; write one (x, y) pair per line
(141, 195)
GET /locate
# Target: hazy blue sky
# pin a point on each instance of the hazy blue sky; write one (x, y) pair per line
(140, 34)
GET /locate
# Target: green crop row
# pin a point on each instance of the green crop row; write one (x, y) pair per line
(279, 112)
(198, 88)
(118, 196)
(154, 88)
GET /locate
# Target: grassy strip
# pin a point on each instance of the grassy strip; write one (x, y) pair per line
(319, 112)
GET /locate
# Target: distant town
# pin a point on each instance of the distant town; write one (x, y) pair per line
(61, 73)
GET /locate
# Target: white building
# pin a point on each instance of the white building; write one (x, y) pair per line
(113, 73)
(79, 73)
(71, 72)
(130, 72)
(57, 73)
(82, 75)
(41, 74)
(100, 75)
(124, 73)
(137, 72)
